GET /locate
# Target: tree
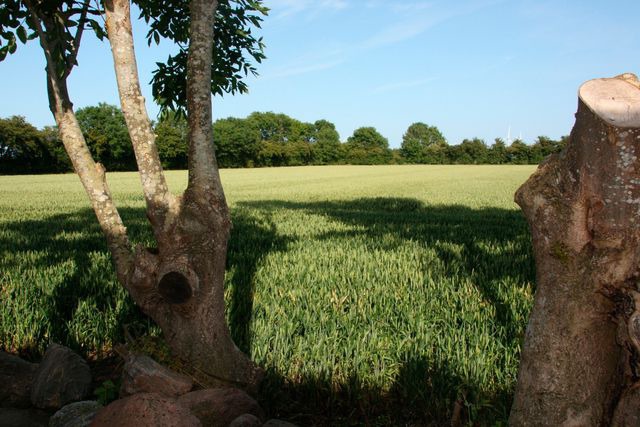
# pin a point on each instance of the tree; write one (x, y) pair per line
(284, 141)
(420, 144)
(544, 147)
(23, 149)
(579, 362)
(518, 153)
(367, 147)
(180, 282)
(237, 142)
(172, 140)
(107, 136)
(326, 143)
(474, 151)
(497, 152)
(51, 139)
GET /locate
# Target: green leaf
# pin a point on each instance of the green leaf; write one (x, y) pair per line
(12, 45)
(22, 34)
(97, 29)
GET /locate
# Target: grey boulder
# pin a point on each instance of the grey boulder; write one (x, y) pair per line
(61, 378)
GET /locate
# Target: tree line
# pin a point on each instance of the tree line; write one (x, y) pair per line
(262, 139)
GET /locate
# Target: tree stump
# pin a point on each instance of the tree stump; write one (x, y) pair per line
(581, 354)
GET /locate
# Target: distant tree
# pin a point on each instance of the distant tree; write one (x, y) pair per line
(172, 140)
(475, 149)
(421, 144)
(326, 143)
(51, 139)
(107, 136)
(22, 148)
(497, 153)
(284, 141)
(298, 148)
(543, 147)
(367, 147)
(518, 153)
(397, 158)
(237, 142)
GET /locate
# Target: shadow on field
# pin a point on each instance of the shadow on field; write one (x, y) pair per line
(61, 263)
(424, 392)
(464, 238)
(487, 245)
(252, 238)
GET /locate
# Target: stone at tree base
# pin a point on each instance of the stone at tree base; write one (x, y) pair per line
(218, 407)
(16, 377)
(11, 417)
(278, 423)
(142, 374)
(145, 410)
(246, 420)
(77, 414)
(62, 377)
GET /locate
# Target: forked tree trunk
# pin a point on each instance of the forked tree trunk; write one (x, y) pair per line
(580, 363)
(179, 284)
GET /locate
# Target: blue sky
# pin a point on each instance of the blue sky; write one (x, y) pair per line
(471, 68)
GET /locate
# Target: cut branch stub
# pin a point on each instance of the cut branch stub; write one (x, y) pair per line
(583, 206)
(615, 100)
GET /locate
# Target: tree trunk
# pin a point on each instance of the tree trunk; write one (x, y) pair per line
(92, 174)
(181, 285)
(579, 363)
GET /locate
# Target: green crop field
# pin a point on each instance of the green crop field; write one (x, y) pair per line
(376, 295)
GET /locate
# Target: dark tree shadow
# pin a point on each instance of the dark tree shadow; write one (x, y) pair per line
(423, 393)
(74, 242)
(475, 230)
(252, 238)
(489, 245)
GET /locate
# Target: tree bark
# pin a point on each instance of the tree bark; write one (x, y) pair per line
(579, 363)
(181, 285)
(92, 174)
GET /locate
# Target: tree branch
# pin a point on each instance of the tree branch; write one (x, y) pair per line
(203, 168)
(160, 202)
(92, 174)
(71, 61)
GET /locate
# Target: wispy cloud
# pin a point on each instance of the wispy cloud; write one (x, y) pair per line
(407, 20)
(287, 8)
(418, 17)
(388, 87)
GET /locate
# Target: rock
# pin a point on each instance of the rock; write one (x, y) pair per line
(77, 414)
(16, 376)
(145, 410)
(278, 423)
(246, 420)
(62, 377)
(142, 374)
(11, 417)
(218, 407)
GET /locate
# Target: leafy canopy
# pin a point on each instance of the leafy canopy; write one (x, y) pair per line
(64, 21)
